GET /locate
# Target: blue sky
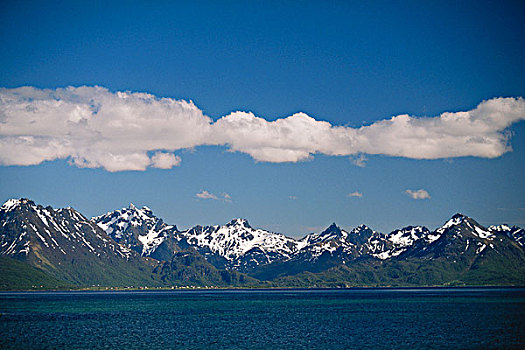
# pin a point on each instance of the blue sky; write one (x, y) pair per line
(351, 64)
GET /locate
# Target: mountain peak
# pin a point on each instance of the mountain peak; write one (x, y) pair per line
(333, 228)
(331, 232)
(361, 228)
(459, 216)
(239, 222)
(10, 204)
(13, 203)
(143, 213)
(454, 221)
(461, 221)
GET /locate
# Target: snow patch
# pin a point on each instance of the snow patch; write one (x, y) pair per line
(10, 204)
(481, 248)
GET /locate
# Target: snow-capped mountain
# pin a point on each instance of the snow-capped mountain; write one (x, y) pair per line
(458, 236)
(132, 245)
(471, 252)
(366, 242)
(361, 241)
(24, 222)
(236, 245)
(332, 232)
(140, 230)
(61, 242)
(240, 245)
(330, 242)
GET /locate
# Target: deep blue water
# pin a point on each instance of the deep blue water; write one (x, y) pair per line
(272, 319)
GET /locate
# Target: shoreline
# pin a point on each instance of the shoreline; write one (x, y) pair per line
(257, 289)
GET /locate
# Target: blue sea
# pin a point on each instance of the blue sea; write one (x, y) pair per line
(430, 318)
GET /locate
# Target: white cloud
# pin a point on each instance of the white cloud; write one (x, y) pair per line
(163, 160)
(206, 195)
(418, 194)
(93, 127)
(96, 128)
(355, 194)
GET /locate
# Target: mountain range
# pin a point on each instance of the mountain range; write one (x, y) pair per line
(43, 247)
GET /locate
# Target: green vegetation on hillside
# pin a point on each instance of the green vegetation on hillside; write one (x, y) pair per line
(16, 275)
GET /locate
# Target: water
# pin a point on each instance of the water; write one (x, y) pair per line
(255, 319)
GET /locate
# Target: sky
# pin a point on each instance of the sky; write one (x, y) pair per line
(290, 114)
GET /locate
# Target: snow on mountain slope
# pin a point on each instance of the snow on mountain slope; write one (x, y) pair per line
(515, 233)
(312, 246)
(69, 247)
(399, 241)
(47, 234)
(27, 227)
(363, 241)
(345, 245)
(459, 236)
(331, 233)
(237, 245)
(385, 246)
(138, 229)
(407, 236)
(464, 223)
(10, 204)
(237, 239)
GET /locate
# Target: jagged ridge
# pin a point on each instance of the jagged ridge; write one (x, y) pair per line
(62, 242)
(237, 245)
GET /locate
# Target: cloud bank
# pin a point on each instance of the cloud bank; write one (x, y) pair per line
(93, 127)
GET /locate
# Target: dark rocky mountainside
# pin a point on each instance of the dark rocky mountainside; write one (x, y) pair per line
(133, 247)
(67, 247)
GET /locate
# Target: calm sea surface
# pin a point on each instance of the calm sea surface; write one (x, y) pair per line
(273, 319)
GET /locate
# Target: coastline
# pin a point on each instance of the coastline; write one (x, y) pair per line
(259, 289)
